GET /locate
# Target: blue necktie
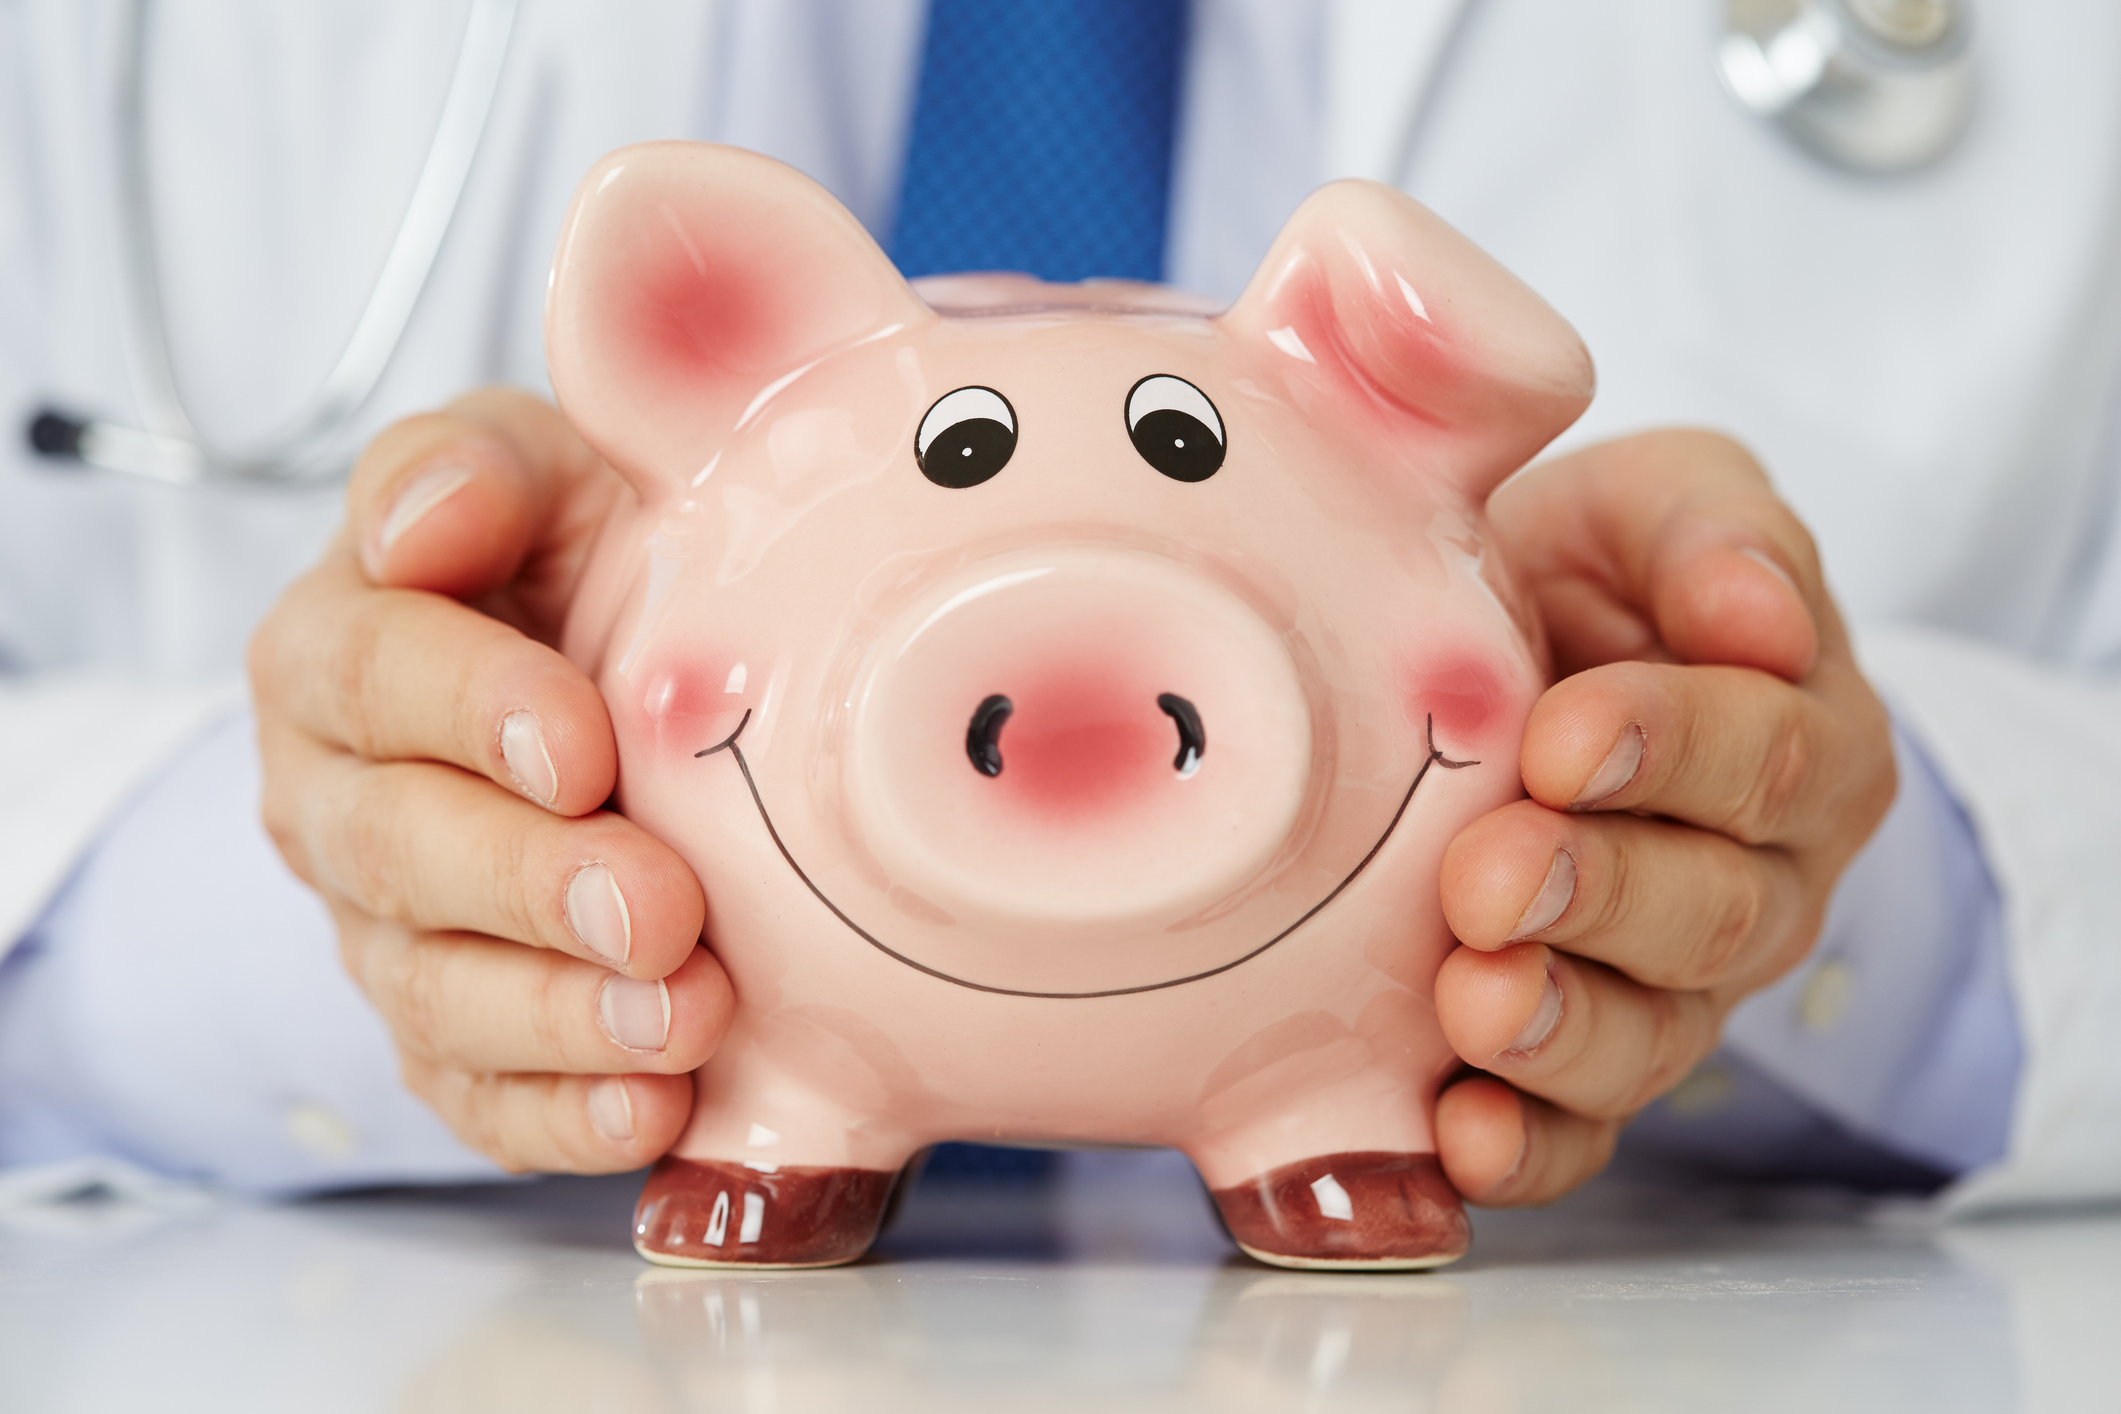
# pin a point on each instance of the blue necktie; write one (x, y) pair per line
(1042, 138)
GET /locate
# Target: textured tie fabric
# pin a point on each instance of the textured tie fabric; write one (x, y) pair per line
(1042, 138)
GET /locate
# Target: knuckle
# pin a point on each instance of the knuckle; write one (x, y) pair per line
(1781, 784)
(549, 1035)
(1677, 1043)
(1727, 940)
(1871, 792)
(511, 867)
(365, 845)
(1615, 1105)
(500, 1146)
(1713, 457)
(1799, 542)
(356, 947)
(275, 645)
(1618, 900)
(1712, 444)
(471, 1104)
(276, 810)
(261, 656)
(1791, 941)
(480, 1121)
(356, 682)
(1577, 1148)
(522, 1142)
(416, 1005)
(483, 1129)
(1598, 1145)
(425, 1083)
(283, 826)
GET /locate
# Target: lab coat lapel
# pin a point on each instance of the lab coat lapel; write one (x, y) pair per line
(1381, 61)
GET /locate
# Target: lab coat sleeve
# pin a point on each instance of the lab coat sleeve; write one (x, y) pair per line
(2034, 756)
(74, 747)
(181, 1007)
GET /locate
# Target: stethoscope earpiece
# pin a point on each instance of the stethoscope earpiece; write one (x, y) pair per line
(1877, 86)
(55, 436)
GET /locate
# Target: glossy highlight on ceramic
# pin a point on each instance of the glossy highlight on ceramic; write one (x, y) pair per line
(1065, 693)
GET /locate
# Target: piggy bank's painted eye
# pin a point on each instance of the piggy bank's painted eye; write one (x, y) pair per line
(1175, 428)
(966, 437)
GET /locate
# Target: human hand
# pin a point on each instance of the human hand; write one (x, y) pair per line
(1707, 764)
(435, 769)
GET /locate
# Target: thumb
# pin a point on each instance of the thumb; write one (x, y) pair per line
(455, 501)
(1720, 592)
(1666, 545)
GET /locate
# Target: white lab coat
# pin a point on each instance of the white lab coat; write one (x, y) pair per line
(1928, 364)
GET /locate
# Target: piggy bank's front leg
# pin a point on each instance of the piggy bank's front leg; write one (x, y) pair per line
(1356, 1209)
(713, 1213)
(776, 1169)
(1342, 1176)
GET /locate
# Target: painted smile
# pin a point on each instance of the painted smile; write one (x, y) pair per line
(729, 744)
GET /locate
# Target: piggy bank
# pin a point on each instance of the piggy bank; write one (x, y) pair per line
(1065, 693)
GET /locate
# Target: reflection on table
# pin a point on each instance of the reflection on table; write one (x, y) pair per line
(1104, 1285)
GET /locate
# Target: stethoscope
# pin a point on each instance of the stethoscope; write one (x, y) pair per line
(313, 448)
(1874, 86)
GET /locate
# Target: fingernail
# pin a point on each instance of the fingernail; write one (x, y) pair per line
(1517, 1164)
(596, 910)
(635, 1014)
(1524, 1146)
(424, 493)
(1767, 562)
(1618, 769)
(1552, 899)
(1544, 1018)
(611, 1110)
(523, 752)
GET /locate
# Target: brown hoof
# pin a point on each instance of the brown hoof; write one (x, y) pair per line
(706, 1213)
(1365, 1211)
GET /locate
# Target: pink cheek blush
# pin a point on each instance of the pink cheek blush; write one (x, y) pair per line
(692, 705)
(1462, 694)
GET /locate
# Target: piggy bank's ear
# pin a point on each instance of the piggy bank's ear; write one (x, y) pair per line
(690, 278)
(1376, 293)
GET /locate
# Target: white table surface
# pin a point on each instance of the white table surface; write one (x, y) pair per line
(1111, 1290)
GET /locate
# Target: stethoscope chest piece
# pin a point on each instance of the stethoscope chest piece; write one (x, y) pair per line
(1878, 86)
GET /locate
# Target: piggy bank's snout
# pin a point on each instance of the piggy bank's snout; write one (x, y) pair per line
(1078, 734)
(983, 737)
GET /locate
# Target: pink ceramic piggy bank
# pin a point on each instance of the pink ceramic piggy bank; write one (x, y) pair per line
(1065, 693)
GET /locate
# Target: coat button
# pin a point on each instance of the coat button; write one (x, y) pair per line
(1825, 999)
(318, 1130)
(1708, 1089)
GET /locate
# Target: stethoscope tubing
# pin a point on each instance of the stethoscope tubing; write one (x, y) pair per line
(313, 448)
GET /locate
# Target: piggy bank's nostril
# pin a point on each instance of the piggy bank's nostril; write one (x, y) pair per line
(983, 738)
(1192, 737)
(983, 735)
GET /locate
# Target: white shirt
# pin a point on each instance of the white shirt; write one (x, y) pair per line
(1926, 364)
